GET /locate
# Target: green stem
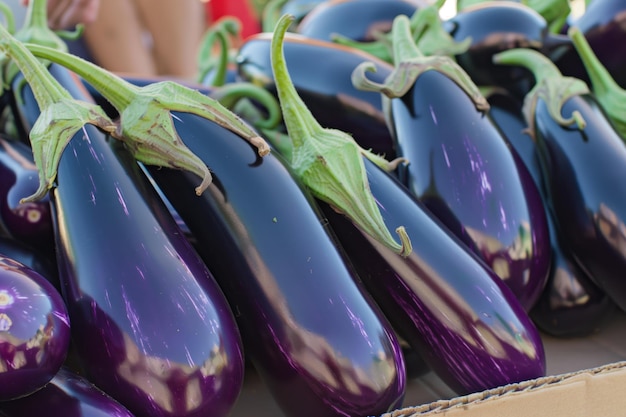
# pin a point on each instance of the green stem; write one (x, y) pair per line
(550, 85)
(232, 93)
(45, 89)
(9, 18)
(218, 34)
(36, 14)
(328, 161)
(115, 89)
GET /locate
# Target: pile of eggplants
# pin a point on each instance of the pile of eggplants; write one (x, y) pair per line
(125, 291)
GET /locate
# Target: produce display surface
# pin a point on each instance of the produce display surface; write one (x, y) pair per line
(410, 214)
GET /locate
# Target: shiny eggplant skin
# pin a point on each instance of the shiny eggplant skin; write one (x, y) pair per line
(327, 88)
(461, 168)
(300, 8)
(571, 304)
(316, 338)
(495, 26)
(34, 330)
(67, 395)
(466, 324)
(42, 263)
(604, 26)
(151, 327)
(31, 222)
(358, 20)
(582, 170)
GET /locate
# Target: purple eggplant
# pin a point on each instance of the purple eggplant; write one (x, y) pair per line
(461, 168)
(571, 303)
(581, 158)
(29, 222)
(40, 262)
(358, 20)
(466, 324)
(67, 395)
(316, 338)
(604, 26)
(326, 89)
(34, 330)
(495, 26)
(150, 324)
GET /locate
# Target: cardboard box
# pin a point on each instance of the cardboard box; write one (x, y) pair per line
(586, 378)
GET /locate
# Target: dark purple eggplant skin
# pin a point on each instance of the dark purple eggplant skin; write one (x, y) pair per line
(300, 8)
(443, 300)
(42, 263)
(495, 27)
(582, 170)
(327, 89)
(310, 329)
(31, 222)
(67, 395)
(359, 20)
(461, 168)
(34, 330)
(571, 304)
(150, 324)
(604, 26)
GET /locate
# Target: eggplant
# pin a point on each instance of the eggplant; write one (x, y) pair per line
(603, 25)
(571, 304)
(40, 262)
(326, 89)
(358, 20)
(34, 330)
(67, 395)
(150, 324)
(460, 167)
(460, 317)
(30, 222)
(317, 339)
(581, 158)
(495, 26)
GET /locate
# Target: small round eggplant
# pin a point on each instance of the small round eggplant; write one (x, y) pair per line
(67, 395)
(358, 20)
(29, 222)
(571, 303)
(495, 26)
(34, 330)
(326, 89)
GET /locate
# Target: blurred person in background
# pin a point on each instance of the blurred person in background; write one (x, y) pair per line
(147, 38)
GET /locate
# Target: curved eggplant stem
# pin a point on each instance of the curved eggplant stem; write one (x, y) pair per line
(232, 95)
(218, 34)
(610, 95)
(328, 161)
(550, 86)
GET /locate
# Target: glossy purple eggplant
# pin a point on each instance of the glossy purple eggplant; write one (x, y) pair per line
(42, 263)
(583, 161)
(29, 222)
(604, 26)
(316, 338)
(466, 324)
(151, 326)
(67, 395)
(461, 168)
(495, 26)
(571, 303)
(326, 89)
(358, 20)
(34, 330)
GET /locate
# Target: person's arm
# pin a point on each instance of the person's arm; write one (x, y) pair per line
(64, 14)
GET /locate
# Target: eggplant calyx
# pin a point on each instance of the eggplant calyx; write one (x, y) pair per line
(610, 95)
(329, 162)
(550, 86)
(219, 34)
(146, 122)
(60, 118)
(410, 63)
